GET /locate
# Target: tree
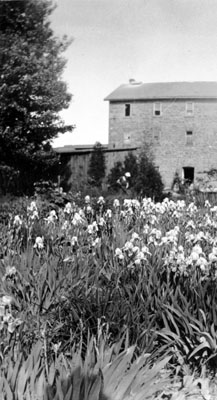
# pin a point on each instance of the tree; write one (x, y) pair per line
(96, 170)
(120, 168)
(148, 182)
(114, 175)
(32, 92)
(131, 166)
(145, 180)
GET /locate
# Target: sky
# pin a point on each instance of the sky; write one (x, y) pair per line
(117, 40)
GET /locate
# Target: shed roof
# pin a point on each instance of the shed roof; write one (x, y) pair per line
(164, 90)
(81, 149)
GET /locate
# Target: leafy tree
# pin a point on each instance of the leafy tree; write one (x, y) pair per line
(32, 92)
(97, 167)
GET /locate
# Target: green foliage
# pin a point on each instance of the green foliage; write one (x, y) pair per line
(32, 93)
(96, 170)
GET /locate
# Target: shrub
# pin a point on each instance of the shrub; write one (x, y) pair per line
(148, 181)
(96, 171)
(130, 165)
(116, 172)
(145, 179)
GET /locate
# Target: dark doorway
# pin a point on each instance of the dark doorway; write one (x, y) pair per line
(188, 174)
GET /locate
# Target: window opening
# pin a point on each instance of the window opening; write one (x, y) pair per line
(188, 174)
(156, 135)
(127, 110)
(189, 108)
(157, 109)
(189, 138)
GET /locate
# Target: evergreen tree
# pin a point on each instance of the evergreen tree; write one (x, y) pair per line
(148, 182)
(114, 175)
(117, 173)
(97, 167)
(131, 166)
(145, 180)
(32, 92)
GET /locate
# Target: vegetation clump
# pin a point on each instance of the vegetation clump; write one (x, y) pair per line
(85, 288)
(144, 178)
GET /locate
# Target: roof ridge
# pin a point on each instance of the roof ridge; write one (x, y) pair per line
(160, 90)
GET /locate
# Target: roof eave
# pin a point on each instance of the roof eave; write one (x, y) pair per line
(161, 98)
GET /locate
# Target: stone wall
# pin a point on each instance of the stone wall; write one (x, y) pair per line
(172, 147)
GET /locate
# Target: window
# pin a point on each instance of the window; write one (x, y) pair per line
(157, 109)
(189, 108)
(127, 110)
(127, 138)
(156, 135)
(189, 138)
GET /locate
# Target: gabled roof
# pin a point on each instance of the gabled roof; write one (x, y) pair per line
(168, 90)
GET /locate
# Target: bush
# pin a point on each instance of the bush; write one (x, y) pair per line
(116, 172)
(148, 182)
(145, 180)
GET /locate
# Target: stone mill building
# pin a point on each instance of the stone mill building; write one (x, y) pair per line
(178, 119)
